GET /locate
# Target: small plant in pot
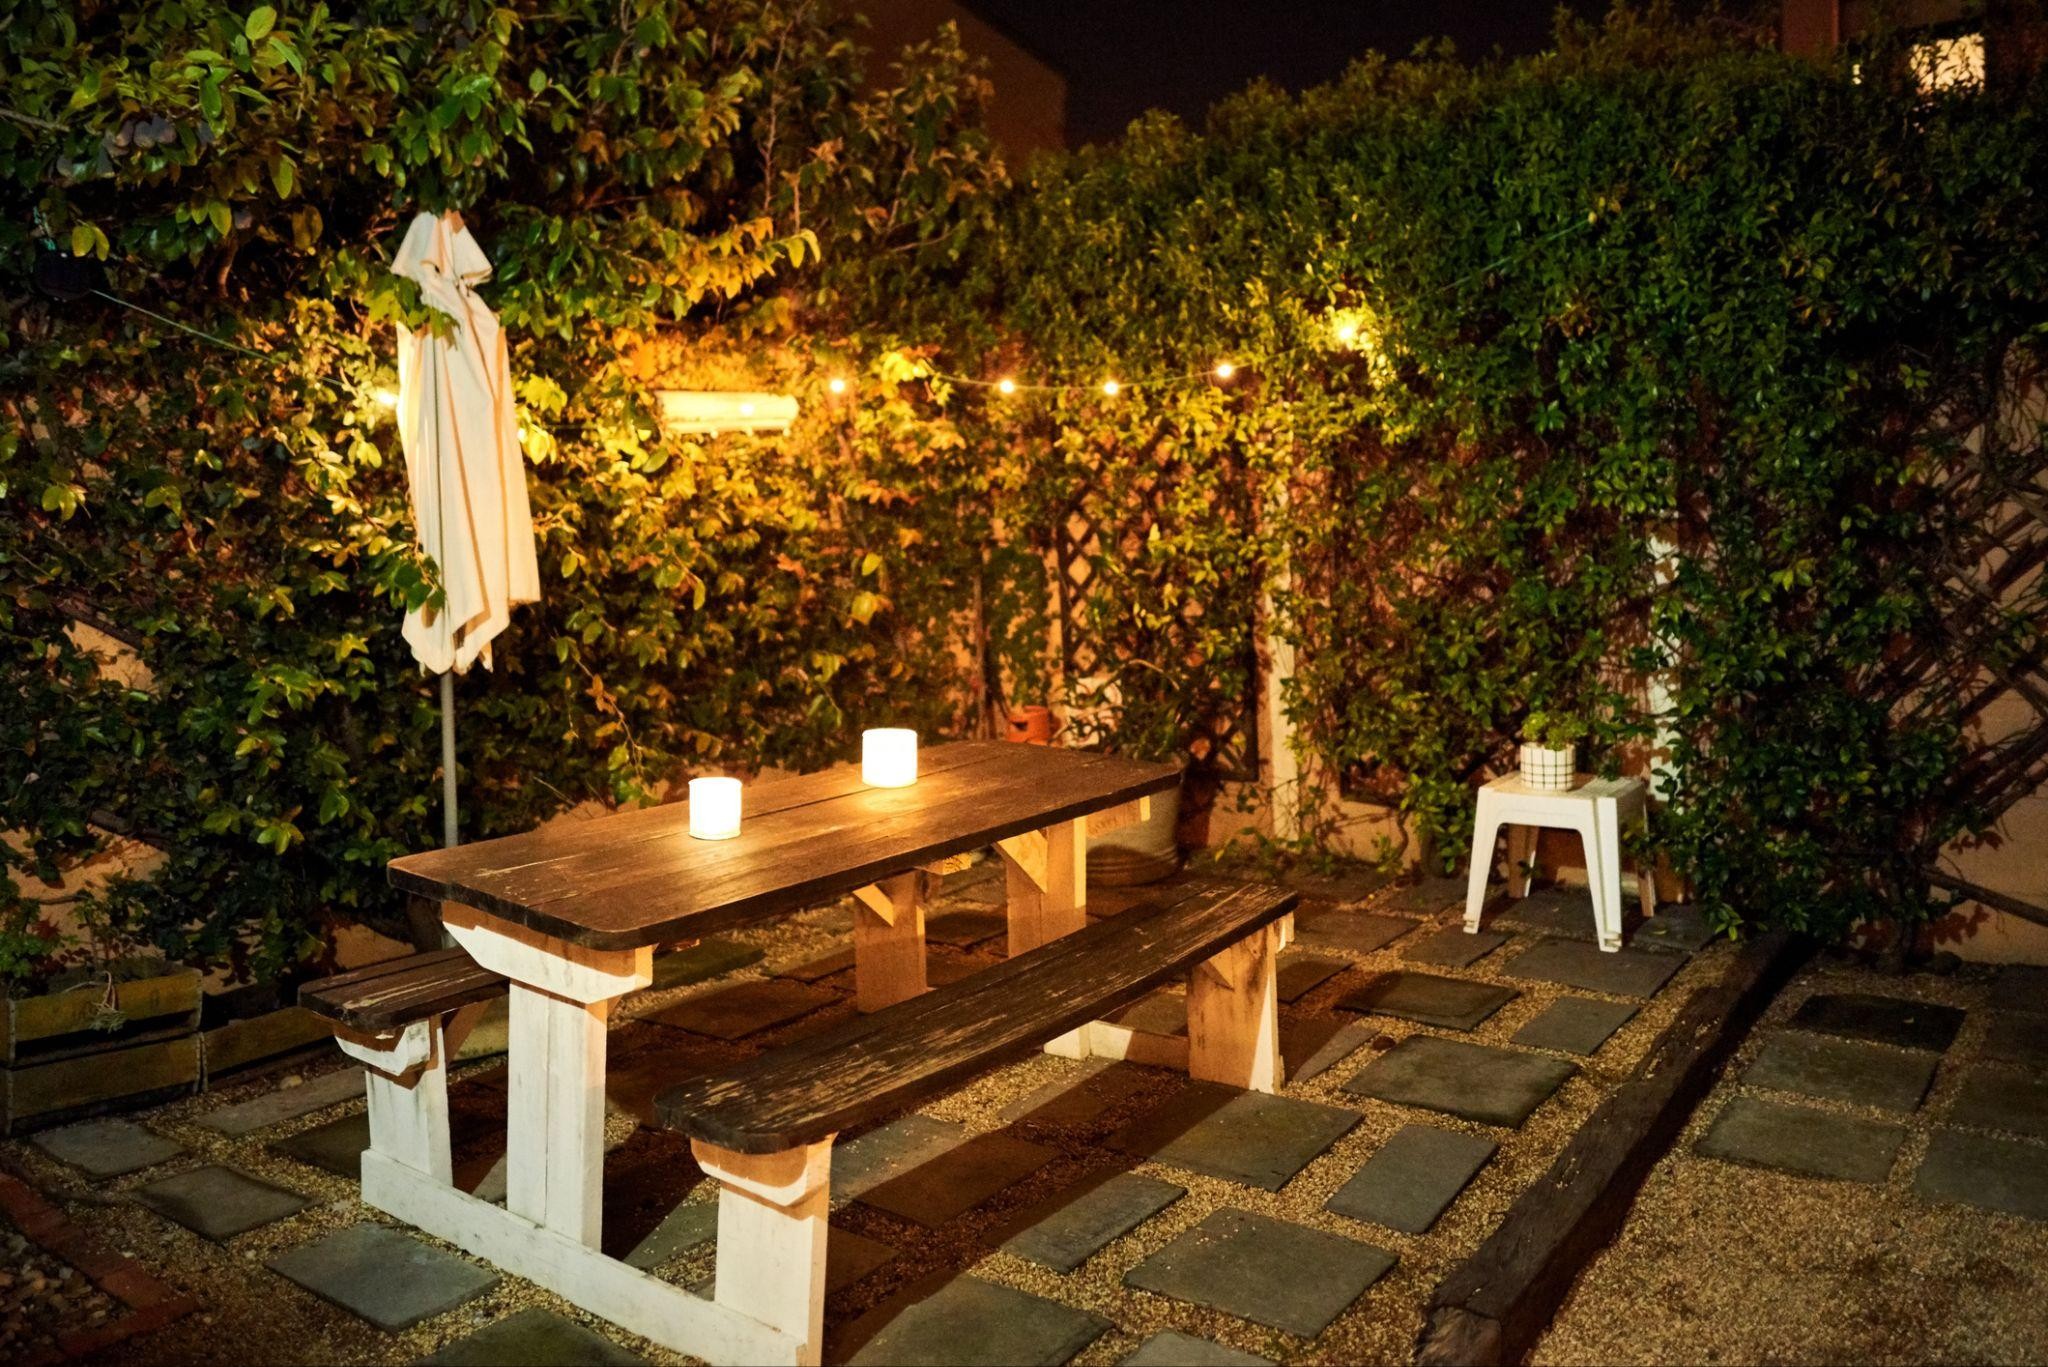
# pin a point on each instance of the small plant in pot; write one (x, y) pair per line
(1550, 750)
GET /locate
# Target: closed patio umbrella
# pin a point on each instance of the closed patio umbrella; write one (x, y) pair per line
(460, 432)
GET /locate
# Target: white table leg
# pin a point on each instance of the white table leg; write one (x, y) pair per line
(561, 1002)
(1046, 880)
(888, 942)
(1603, 872)
(1485, 829)
(1234, 1015)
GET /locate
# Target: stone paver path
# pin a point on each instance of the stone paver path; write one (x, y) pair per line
(286, 1103)
(1451, 947)
(971, 1321)
(1574, 1025)
(959, 1179)
(1175, 1349)
(1247, 1137)
(1804, 1140)
(1413, 1178)
(218, 1203)
(1353, 932)
(1581, 964)
(1268, 1271)
(108, 1148)
(532, 1338)
(391, 1279)
(1074, 1225)
(1843, 1070)
(1450, 1003)
(1478, 1082)
(747, 1008)
(1881, 1020)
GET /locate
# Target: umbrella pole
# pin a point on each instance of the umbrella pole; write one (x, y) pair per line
(449, 836)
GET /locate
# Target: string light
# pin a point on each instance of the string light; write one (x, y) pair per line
(1006, 385)
(1224, 370)
(1112, 388)
(836, 385)
(387, 397)
(1347, 332)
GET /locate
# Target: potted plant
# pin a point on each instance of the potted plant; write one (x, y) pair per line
(1550, 750)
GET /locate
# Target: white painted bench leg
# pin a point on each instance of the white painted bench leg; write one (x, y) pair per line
(772, 1212)
(1485, 829)
(888, 942)
(1046, 876)
(1234, 1015)
(406, 1081)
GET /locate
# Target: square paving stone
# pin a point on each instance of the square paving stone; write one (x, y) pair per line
(336, 1146)
(1356, 932)
(1451, 1003)
(970, 1321)
(2018, 1039)
(1268, 1271)
(1413, 1178)
(286, 1103)
(965, 929)
(1475, 1082)
(1623, 973)
(1451, 947)
(1881, 1020)
(532, 1338)
(849, 1257)
(691, 1225)
(390, 1279)
(1301, 974)
(1678, 927)
(1574, 1025)
(959, 1179)
(1554, 911)
(1996, 1098)
(702, 961)
(1843, 1070)
(746, 1008)
(219, 1203)
(108, 1148)
(1426, 898)
(1171, 1348)
(889, 1151)
(810, 970)
(1985, 1171)
(1258, 1139)
(2022, 988)
(1074, 1225)
(1325, 1050)
(1802, 1140)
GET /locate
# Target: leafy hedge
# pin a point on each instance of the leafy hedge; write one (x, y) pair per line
(1622, 381)
(240, 520)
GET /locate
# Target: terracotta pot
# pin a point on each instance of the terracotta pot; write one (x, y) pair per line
(1030, 725)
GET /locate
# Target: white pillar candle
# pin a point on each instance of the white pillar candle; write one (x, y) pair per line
(888, 757)
(714, 808)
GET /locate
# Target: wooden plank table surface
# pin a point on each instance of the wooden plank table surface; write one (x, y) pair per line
(638, 878)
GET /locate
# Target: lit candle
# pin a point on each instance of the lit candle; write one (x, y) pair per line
(888, 757)
(714, 808)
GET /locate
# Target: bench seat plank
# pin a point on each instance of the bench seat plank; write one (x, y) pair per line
(387, 997)
(888, 1061)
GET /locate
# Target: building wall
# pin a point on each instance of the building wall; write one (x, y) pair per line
(1029, 111)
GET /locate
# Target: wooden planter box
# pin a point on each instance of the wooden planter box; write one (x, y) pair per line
(55, 1065)
(252, 1028)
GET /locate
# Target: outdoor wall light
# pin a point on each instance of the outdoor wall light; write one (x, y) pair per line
(697, 410)
(888, 757)
(714, 808)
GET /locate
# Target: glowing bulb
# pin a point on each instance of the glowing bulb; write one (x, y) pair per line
(387, 397)
(746, 410)
(1112, 388)
(1006, 385)
(1347, 333)
(1224, 370)
(836, 385)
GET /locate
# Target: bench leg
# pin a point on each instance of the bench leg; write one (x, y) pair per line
(1234, 1015)
(888, 942)
(1047, 887)
(772, 1211)
(407, 1085)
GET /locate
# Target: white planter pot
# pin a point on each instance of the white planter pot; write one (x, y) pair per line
(1143, 852)
(1553, 770)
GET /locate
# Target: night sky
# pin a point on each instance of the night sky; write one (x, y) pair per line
(1122, 57)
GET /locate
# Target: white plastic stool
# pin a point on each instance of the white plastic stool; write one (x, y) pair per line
(1595, 809)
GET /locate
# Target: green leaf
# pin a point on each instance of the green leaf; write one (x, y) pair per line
(259, 23)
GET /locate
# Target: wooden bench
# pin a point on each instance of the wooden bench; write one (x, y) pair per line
(402, 1019)
(764, 1129)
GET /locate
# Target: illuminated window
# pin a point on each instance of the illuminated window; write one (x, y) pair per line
(1949, 63)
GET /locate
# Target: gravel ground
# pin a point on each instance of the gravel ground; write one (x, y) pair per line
(40, 1297)
(253, 1315)
(1726, 1263)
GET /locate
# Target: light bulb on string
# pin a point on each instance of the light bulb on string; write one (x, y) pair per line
(1006, 385)
(1224, 370)
(836, 385)
(1112, 388)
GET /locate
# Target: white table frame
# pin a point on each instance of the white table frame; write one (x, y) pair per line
(1596, 809)
(768, 1301)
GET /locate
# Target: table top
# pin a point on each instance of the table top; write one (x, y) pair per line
(636, 878)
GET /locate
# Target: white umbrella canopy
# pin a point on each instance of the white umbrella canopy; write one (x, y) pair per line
(460, 432)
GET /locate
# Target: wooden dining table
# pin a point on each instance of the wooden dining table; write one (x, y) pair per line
(573, 913)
